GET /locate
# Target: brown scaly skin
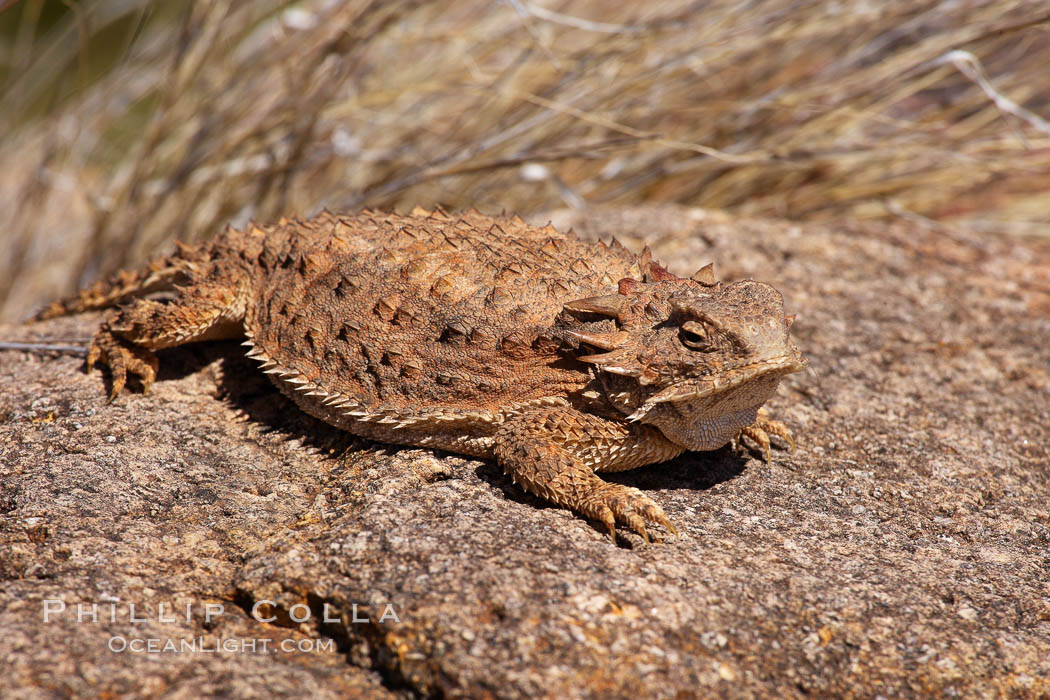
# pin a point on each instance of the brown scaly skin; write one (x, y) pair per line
(479, 335)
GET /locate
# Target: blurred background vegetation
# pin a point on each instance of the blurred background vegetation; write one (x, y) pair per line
(127, 123)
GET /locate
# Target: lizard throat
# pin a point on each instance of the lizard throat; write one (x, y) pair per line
(708, 422)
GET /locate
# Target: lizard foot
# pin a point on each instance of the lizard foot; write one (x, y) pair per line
(122, 357)
(762, 428)
(616, 503)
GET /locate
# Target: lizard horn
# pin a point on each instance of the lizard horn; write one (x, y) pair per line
(605, 341)
(706, 275)
(652, 270)
(609, 362)
(608, 305)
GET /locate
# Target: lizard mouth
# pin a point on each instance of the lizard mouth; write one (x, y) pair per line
(765, 373)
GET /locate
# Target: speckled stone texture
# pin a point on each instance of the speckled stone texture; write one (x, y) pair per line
(902, 550)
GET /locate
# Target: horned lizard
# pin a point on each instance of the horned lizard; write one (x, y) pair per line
(485, 336)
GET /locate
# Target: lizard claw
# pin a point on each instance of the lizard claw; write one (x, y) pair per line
(122, 357)
(616, 503)
(762, 428)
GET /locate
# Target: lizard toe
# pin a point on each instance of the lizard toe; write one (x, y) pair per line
(629, 506)
(764, 427)
(121, 358)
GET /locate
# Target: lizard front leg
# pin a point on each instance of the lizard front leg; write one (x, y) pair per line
(554, 453)
(763, 427)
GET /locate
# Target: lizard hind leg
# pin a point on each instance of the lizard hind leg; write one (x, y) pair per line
(533, 457)
(121, 357)
(128, 336)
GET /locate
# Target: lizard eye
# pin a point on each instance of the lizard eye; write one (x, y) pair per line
(694, 336)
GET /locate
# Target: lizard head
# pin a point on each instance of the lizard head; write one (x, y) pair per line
(692, 357)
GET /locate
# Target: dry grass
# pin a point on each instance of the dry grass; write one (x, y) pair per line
(131, 122)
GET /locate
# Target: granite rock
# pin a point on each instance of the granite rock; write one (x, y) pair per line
(902, 550)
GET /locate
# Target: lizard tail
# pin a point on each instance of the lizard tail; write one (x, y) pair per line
(160, 275)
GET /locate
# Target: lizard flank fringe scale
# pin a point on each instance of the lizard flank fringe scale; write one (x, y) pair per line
(558, 358)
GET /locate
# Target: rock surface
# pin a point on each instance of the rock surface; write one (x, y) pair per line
(902, 550)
